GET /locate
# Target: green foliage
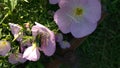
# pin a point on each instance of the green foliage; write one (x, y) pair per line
(35, 65)
(0, 33)
(13, 3)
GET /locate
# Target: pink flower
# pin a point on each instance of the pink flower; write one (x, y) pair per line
(24, 45)
(16, 31)
(48, 45)
(16, 58)
(79, 17)
(59, 37)
(54, 1)
(4, 47)
(35, 31)
(64, 44)
(32, 53)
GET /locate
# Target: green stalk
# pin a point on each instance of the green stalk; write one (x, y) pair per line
(6, 15)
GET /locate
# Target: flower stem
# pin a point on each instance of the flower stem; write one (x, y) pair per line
(6, 15)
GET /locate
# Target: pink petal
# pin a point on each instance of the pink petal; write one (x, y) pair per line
(64, 44)
(48, 45)
(35, 30)
(20, 58)
(51, 47)
(93, 11)
(12, 59)
(24, 45)
(4, 48)
(63, 20)
(16, 58)
(71, 3)
(59, 37)
(34, 56)
(82, 28)
(31, 54)
(15, 29)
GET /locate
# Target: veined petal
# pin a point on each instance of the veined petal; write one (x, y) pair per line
(64, 44)
(16, 58)
(82, 29)
(31, 53)
(20, 58)
(48, 45)
(35, 30)
(72, 3)
(34, 56)
(15, 29)
(63, 20)
(59, 37)
(50, 48)
(4, 47)
(12, 59)
(92, 11)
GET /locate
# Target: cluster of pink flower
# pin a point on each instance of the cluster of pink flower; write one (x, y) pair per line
(47, 39)
(43, 40)
(78, 17)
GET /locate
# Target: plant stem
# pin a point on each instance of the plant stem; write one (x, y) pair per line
(6, 15)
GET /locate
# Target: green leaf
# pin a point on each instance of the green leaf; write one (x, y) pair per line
(26, 1)
(13, 3)
(37, 64)
(5, 1)
(0, 33)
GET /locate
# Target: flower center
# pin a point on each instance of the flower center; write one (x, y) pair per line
(34, 45)
(78, 11)
(3, 44)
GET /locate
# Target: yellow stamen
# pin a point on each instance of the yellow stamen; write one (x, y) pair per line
(78, 11)
(34, 46)
(3, 44)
